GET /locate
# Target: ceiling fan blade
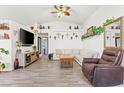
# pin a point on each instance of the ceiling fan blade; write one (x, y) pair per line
(61, 7)
(55, 6)
(66, 13)
(54, 12)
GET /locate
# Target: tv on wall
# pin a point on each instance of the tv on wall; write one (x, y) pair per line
(26, 37)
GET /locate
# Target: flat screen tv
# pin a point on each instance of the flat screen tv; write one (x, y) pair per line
(26, 37)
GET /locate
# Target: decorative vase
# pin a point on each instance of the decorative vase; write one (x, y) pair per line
(16, 64)
(48, 27)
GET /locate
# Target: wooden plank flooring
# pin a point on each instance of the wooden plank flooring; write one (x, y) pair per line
(45, 73)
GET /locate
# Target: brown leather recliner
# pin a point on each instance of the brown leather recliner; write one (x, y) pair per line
(105, 71)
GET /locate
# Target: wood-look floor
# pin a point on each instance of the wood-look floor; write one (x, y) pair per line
(45, 73)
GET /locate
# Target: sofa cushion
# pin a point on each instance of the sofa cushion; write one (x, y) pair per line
(109, 52)
(104, 62)
(68, 52)
(56, 57)
(88, 70)
(108, 58)
(58, 51)
(76, 52)
(81, 52)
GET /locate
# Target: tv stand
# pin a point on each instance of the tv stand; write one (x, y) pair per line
(27, 58)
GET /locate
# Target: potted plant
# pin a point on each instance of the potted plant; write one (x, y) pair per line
(108, 21)
(18, 44)
(98, 30)
(2, 66)
(34, 48)
(2, 50)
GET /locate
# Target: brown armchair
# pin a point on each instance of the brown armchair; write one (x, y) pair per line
(105, 71)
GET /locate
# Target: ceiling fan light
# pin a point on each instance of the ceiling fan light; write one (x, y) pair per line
(60, 14)
(61, 10)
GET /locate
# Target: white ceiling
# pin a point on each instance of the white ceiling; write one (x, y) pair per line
(31, 14)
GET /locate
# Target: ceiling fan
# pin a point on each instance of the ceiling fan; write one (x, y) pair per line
(61, 10)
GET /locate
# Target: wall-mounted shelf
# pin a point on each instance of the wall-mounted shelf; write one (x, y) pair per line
(60, 30)
(92, 31)
(4, 26)
(87, 36)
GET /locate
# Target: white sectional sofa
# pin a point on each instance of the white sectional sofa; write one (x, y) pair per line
(78, 54)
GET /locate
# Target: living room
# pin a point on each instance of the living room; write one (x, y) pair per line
(54, 35)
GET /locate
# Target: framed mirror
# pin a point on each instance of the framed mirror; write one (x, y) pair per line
(113, 34)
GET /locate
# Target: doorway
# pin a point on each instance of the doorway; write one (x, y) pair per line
(44, 45)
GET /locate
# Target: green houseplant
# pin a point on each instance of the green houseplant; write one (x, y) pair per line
(18, 44)
(108, 21)
(2, 66)
(34, 47)
(98, 30)
(3, 51)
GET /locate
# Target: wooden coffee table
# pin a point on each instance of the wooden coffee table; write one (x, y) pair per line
(66, 61)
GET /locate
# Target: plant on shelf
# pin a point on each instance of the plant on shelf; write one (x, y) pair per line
(18, 44)
(34, 47)
(98, 30)
(3, 51)
(2, 66)
(86, 35)
(109, 21)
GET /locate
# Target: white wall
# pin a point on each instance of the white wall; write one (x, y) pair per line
(59, 25)
(97, 42)
(16, 26)
(63, 29)
(97, 19)
(66, 42)
(6, 44)
(10, 44)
